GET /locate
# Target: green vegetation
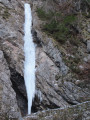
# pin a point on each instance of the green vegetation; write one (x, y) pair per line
(56, 25)
(43, 15)
(87, 1)
(74, 40)
(57, 30)
(62, 28)
(4, 12)
(69, 19)
(74, 68)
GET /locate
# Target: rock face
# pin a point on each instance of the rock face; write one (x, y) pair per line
(11, 43)
(78, 112)
(53, 78)
(56, 83)
(11, 32)
(8, 103)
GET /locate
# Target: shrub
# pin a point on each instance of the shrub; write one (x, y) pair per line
(69, 19)
(43, 15)
(56, 25)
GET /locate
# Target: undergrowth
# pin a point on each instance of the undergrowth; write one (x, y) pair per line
(56, 24)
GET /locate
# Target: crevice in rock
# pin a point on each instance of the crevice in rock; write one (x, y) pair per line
(19, 87)
(36, 105)
(36, 39)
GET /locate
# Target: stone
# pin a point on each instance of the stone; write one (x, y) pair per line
(77, 82)
(88, 28)
(88, 45)
(87, 59)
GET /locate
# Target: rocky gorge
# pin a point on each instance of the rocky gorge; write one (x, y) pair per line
(62, 60)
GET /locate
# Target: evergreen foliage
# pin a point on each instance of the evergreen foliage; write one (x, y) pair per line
(57, 25)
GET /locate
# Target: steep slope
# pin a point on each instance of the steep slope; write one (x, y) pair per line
(68, 81)
(62, 68)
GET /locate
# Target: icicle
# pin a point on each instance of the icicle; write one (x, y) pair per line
(29, 64)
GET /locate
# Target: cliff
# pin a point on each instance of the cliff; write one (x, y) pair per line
(61, 33)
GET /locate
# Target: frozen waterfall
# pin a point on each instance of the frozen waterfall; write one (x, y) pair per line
(29, 64)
